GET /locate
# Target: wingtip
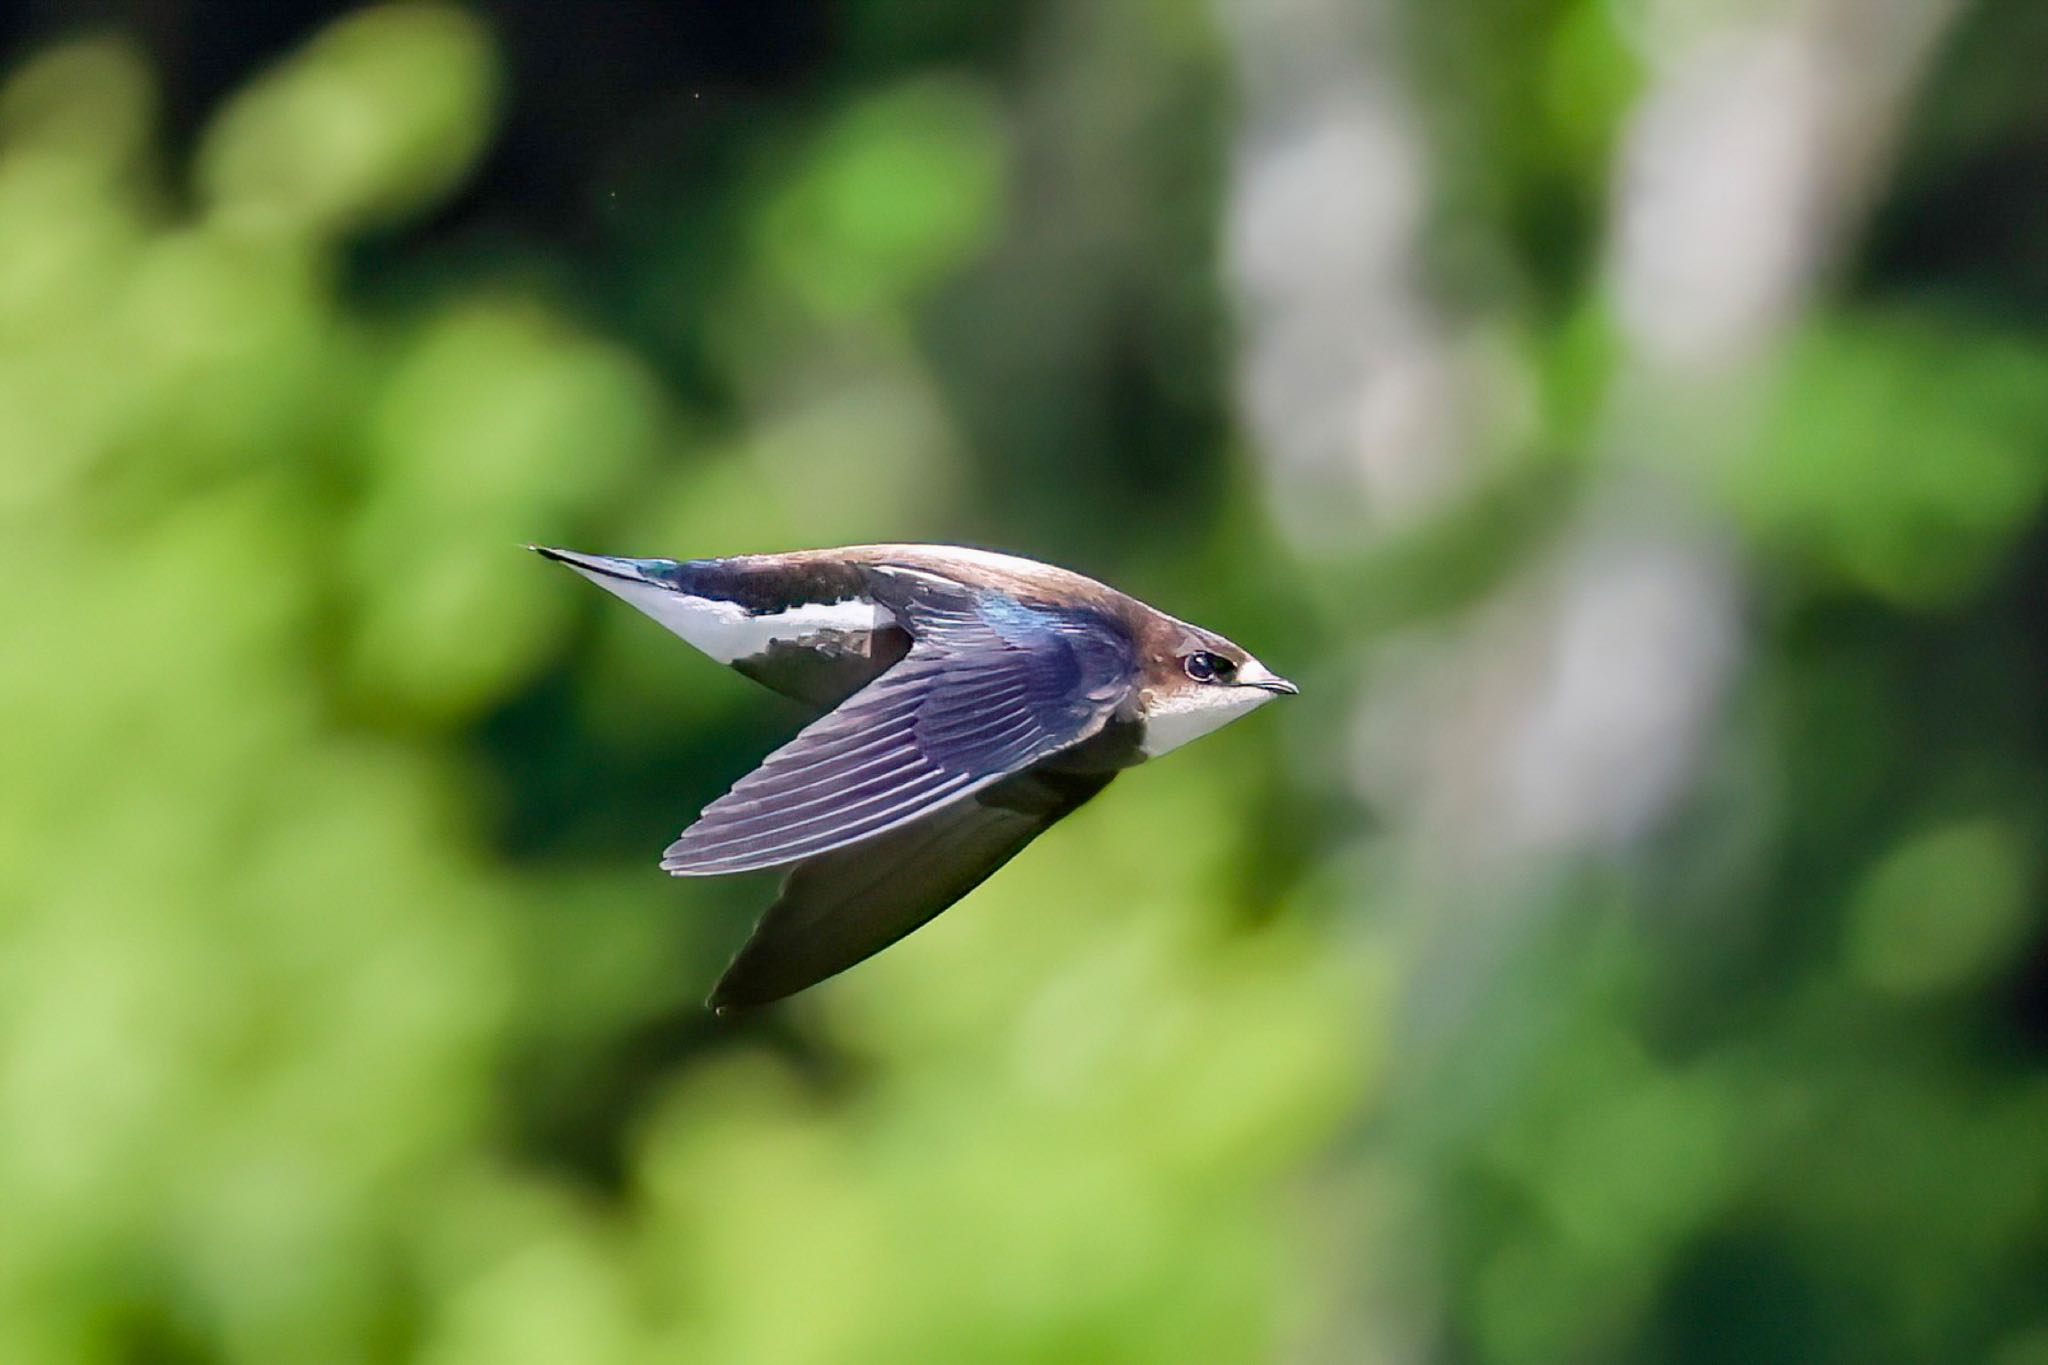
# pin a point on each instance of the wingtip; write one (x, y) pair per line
(727, 1000)
(679, 866)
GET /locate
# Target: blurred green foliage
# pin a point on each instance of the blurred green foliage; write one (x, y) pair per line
(343, 1013)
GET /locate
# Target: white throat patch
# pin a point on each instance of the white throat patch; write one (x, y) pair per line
(1193, 712)
(725, 630)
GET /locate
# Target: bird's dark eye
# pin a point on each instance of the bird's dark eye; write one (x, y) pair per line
(1203, 666)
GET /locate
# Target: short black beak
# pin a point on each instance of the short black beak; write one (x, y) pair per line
(1278, 686)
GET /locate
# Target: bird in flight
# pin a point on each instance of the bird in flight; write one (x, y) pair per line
(969, 701)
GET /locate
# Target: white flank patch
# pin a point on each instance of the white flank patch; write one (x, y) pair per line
(726, 632)
(1189, 714)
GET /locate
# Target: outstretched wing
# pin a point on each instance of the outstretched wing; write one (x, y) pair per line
(990, 686)
(841, 907)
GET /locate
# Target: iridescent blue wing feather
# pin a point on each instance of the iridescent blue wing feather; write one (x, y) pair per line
(991, 685)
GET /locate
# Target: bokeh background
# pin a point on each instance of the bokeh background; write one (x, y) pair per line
(1628, 419)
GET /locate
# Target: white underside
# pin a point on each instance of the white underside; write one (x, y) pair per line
(725, 630)
(1172, 721)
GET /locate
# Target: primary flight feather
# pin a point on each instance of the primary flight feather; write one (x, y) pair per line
(971, 700)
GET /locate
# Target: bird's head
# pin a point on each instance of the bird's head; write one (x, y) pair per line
(1196, 681)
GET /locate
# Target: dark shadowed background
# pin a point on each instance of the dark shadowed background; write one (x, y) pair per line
(1627, 419)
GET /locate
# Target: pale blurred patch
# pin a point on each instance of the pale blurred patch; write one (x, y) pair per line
(382, 114)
